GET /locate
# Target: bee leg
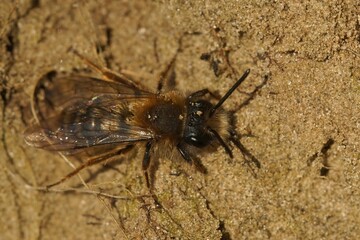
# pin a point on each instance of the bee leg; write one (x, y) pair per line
(146, 163)
(186, 156)
(235, 139)
(110, 75)
(145, 167)
(167, 75)
(90, 162)
(202, 93)
(221, 141)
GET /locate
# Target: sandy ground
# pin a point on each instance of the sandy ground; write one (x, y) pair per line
(303, 118)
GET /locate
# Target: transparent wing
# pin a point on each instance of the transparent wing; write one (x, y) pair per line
(64, 140)
(54, 92)
(77, 112)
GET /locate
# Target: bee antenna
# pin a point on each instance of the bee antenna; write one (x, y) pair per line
(231, 90)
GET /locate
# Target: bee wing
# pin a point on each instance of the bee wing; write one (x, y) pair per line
(67, 140)
(54, 92)
(85, 125)
(77, 112)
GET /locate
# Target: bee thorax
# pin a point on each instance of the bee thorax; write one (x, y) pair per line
(165, 118)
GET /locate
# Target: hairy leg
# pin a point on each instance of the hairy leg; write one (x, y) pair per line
(92, 161)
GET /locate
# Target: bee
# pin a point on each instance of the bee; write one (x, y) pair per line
(81, 115)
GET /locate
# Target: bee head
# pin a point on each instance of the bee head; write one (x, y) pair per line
(197, 132)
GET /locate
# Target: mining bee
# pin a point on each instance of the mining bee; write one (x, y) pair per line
(99, 118)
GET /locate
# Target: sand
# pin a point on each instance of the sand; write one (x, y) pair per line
(298, 113)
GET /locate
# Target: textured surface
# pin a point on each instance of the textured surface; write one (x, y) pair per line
(304, 119)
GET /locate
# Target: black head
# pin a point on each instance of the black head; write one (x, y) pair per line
(196, 130)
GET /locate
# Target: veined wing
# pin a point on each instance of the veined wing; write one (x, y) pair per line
(63, 140)
(77, 112)
(54, 92)
(85, 125)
